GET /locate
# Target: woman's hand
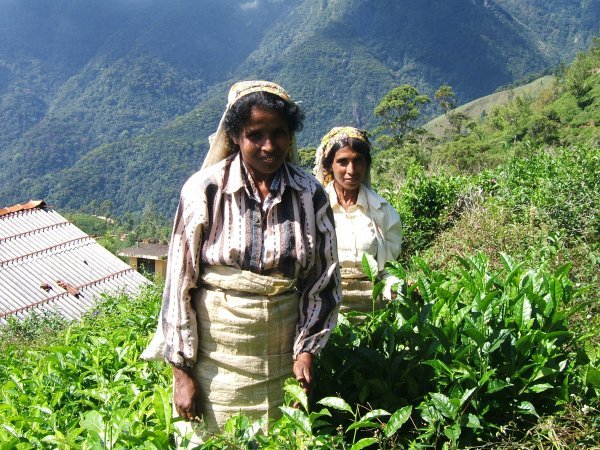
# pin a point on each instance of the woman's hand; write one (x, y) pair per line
(185, 394)
(303, 372)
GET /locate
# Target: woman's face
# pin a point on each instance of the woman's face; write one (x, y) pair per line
(264, 142)
(349, 168)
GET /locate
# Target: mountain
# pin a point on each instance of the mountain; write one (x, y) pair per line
(114, 100)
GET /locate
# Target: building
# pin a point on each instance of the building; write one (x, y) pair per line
(148, 258)
(48, 264)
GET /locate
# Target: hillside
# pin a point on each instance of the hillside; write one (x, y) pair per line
(479, 108)
(115, 100)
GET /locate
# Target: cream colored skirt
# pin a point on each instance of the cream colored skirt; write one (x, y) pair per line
(246, 328)
(357, 295)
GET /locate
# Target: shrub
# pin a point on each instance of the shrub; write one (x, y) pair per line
(424, 204)
(562, 186)
(88, 389)
(472, 351)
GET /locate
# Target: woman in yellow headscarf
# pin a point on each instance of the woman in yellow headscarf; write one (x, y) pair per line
(365, 221)
(252, 289)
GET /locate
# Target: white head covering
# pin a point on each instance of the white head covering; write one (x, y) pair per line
(221, 145)
(336, 135)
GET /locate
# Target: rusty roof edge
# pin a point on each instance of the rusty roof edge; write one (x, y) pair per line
(31, 204)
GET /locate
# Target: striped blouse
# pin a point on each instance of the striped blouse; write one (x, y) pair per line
(221, 220)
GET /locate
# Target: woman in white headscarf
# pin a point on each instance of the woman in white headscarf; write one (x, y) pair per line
(252, 289)
(365, 221)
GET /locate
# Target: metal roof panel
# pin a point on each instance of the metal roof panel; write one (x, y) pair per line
(40, 251)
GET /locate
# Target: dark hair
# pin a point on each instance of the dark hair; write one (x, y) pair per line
(358, 145)
(239, 113)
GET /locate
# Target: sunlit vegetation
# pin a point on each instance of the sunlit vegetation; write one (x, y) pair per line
(491, 340)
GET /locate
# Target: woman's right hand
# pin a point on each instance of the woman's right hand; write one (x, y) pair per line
(185, 394)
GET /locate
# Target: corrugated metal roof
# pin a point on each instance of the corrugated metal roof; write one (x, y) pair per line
(43, 256)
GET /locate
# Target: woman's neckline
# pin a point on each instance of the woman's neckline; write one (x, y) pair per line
(346, 198)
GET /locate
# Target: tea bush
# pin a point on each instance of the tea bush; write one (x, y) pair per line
(88, 389)
(425, 204)
(563, 185)
(459, 357)
(471, 351)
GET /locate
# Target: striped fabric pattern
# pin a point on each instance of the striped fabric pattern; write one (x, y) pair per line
(220, 221)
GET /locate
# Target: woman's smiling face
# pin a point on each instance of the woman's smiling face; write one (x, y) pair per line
(264, 142)
(349, 168)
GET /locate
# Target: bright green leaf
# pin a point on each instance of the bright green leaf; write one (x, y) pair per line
(299, 418)
(443, 404)
(441, 369)
(475, 335)
(295, 391)
(593, 377)
(453, 432)
(523, 312)
(497, 385)
(336, 403)
(397, 420)
(466, 395)
(374, 414)
(394, 268)
(527, 408)
(370, 267)
(362, 424)
(473, 422)
(539, 387)
(162, 406)
(364, 442)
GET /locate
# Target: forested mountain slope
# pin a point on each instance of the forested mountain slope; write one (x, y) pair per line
(114, 100)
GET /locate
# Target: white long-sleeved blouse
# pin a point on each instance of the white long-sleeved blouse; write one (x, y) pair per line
(370, 226)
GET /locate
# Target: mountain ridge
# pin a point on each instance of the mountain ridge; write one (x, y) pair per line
(158, 78)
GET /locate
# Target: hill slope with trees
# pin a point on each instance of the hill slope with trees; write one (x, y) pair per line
(94, 94)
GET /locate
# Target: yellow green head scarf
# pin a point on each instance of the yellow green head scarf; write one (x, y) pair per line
(336, 135)
(220, 144)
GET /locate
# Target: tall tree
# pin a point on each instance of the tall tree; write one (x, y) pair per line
(398, 111)
(446, 98)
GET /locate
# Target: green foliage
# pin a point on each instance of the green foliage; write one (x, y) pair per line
(116, 233)
(458, 358)
(89, 223)
(425, 204)
(562, 186)
(303, 428)
(565, 115)
(473, 350)
(446, 98)
(391, 166)
(578, 77)
(307, 158)
(87, 387)
(36, 326)
(398, 111)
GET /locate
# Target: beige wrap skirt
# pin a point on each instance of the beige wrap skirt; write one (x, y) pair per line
(357, 293)
(246, 328)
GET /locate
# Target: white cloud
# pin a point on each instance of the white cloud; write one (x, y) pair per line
(250, 5)
(255, 4)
